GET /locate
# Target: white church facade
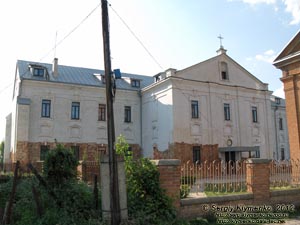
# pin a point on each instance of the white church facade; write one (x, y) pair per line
(214, 103)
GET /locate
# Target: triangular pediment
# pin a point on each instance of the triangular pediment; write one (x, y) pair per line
(210, 71)
(290, 50)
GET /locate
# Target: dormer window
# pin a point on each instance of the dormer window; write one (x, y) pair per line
(100, 77)
(38, 70)
(224, 71)
(159, 76)
(277, 100)
(135, 83)
(103, 79)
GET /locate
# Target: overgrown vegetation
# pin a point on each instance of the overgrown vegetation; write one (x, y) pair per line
(224, 188)
(60, 166)
(1, 153)
(185, 185)
(61, 200)
(147, 201)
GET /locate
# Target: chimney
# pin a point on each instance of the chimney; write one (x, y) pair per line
(170, 72)
(54, 67)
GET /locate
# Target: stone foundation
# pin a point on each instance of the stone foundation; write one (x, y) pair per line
(184, 152)
(30, 151)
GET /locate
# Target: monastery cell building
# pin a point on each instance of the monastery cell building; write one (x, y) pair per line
(212, 110)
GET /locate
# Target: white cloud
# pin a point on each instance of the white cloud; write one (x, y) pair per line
(279, 92)
(293, 7)
(253, 2)
(268, 56)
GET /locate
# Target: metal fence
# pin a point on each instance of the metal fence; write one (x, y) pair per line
(285, 173)
(230, 177)
(216, 176)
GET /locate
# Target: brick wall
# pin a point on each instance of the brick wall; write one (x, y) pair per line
(30, 151)
(259, 194)
(169, 170)
(258, 188)
(258, 178)
(291, 86)
(87, 171)
(196, 207)
(184, 152)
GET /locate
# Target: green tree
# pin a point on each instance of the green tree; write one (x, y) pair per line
(1, 152)
(60, 166)
(147, 201)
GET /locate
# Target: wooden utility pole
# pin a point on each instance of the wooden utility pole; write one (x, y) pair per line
(113, 166)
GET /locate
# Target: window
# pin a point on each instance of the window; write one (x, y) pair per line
(102, 112)
(38, 72)
(127, 111)
(75, 111)
(135, 83)
(46, 108)
(254, 114)
(43, 152)
(196, 154)
(195, 109)
(224, 71)
(226, 111)
(282, 154)
(224, 75)
(280, 124)
(75, 150)
(277, 100)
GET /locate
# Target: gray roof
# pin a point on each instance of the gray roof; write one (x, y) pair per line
(78, 75)
(277, 101)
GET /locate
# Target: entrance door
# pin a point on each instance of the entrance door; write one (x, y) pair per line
(229, 156)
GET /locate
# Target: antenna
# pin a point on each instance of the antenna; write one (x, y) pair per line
(55, 45)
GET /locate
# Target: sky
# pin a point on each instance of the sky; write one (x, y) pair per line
(146, 36)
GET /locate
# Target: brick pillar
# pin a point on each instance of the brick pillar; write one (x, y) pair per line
(169, 170)
(258, 179)
(291, 89)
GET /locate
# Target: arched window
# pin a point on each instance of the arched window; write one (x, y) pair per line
(224, 71)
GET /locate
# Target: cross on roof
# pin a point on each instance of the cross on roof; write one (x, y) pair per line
(220, 37)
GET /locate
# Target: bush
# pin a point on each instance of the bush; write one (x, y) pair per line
(60, 166)
(73, 203)
(190, 180)
(147, 201)
(184, 190)
(76, 198)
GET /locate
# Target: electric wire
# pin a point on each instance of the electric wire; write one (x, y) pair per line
(135, 36)
(2, 90)
(72, 31)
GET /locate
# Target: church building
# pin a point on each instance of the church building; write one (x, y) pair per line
(213, 110)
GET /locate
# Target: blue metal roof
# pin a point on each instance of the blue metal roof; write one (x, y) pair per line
(78, 75)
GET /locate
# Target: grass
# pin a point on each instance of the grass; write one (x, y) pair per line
(213, 194)
(289, 187)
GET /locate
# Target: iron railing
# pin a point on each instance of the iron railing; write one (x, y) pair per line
(285, 173)
(216, 176)
(229, 177)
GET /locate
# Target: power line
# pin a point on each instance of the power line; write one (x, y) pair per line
(136, 37)
(74, 29)
(2, 90)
